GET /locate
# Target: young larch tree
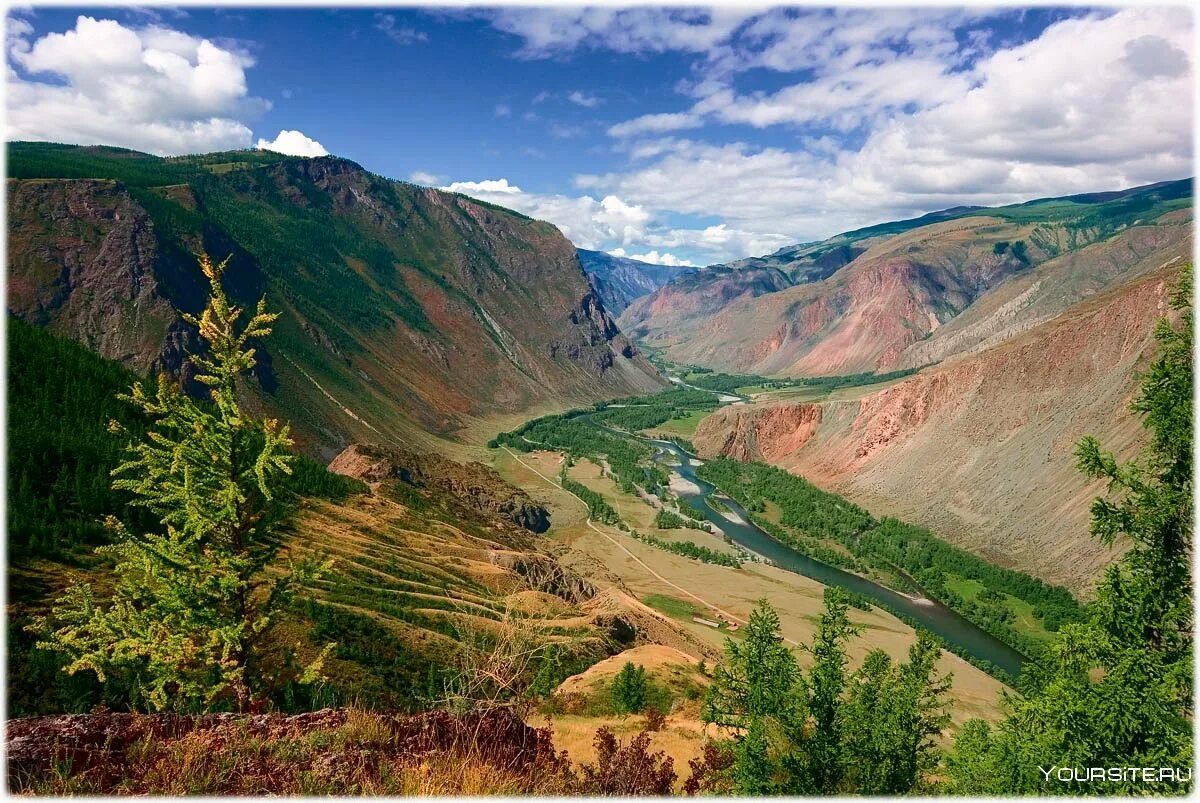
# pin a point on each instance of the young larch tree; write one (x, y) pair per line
(192, 602)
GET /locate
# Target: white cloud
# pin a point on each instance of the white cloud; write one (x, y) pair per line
(654, 258)
(486, 187)
(502, 110)
(656, 123)
(151, 88)
(293, 143)
(584, 220)
(622, 227)
(421, 177)
(584, 99)
(400, 34)
(1096, 102)
(548, 31)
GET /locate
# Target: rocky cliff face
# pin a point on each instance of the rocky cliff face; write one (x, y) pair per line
(619, 281)
(980, 448)
(474, 484)
(405, 311)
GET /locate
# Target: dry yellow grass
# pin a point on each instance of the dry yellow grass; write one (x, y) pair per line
(662, 665)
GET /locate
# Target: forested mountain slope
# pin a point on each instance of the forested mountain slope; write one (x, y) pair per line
(406, 310)
(429, 551)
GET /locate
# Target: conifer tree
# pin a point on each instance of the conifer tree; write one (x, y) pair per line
(192, 602)
(629, 689)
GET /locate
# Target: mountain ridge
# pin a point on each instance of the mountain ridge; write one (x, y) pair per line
(405, 310)
(903, 282)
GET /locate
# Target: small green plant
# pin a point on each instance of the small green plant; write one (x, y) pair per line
(629, 689)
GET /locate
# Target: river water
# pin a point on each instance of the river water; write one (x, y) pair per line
(929, 613)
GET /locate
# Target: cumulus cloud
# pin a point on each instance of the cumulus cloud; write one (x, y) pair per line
(498, 186)
(150, 88)
(293, 143)
(1095, 102)
(655, 258)
(584, 220)
(421, 177)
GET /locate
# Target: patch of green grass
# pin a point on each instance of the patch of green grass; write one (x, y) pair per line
(672, 606)
(1024, 622)
(683, 426)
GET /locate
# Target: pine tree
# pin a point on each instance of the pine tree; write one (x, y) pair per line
(629, 689)
(751, 691)
(757, 676)
(818, 768)
(192, 602)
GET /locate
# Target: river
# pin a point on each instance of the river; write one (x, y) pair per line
(929, 613)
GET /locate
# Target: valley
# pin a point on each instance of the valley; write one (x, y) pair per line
(513, 496)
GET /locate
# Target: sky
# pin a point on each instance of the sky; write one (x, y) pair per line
(674, 135)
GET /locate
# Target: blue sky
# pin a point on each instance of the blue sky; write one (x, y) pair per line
(676, 135)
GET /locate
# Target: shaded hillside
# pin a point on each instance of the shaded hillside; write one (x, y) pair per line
(980, 447)
(619, 281)
(406, 310)
(913, 278)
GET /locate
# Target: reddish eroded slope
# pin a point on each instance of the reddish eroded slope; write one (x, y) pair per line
(859, 319)
(980, 448)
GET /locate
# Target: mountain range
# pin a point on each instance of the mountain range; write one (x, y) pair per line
(619, 281)
(1030, 325)
(875, 299)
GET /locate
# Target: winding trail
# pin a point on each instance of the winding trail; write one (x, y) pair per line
(636, 559)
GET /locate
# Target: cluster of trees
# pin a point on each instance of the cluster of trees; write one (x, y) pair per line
(62, 450)
(690, 550)
(825, 730)
(930, 561)
(642, 412)
(666, 520)
(809, 546)
(61, 453)
(598, 507)
(809, 516)
(802, 505)
(636, 418)
(729, 383)
(628, 459)
(681, 399)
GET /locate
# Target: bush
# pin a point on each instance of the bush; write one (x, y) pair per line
(627, 770)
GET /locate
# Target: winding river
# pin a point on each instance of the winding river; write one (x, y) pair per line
(929, 613)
